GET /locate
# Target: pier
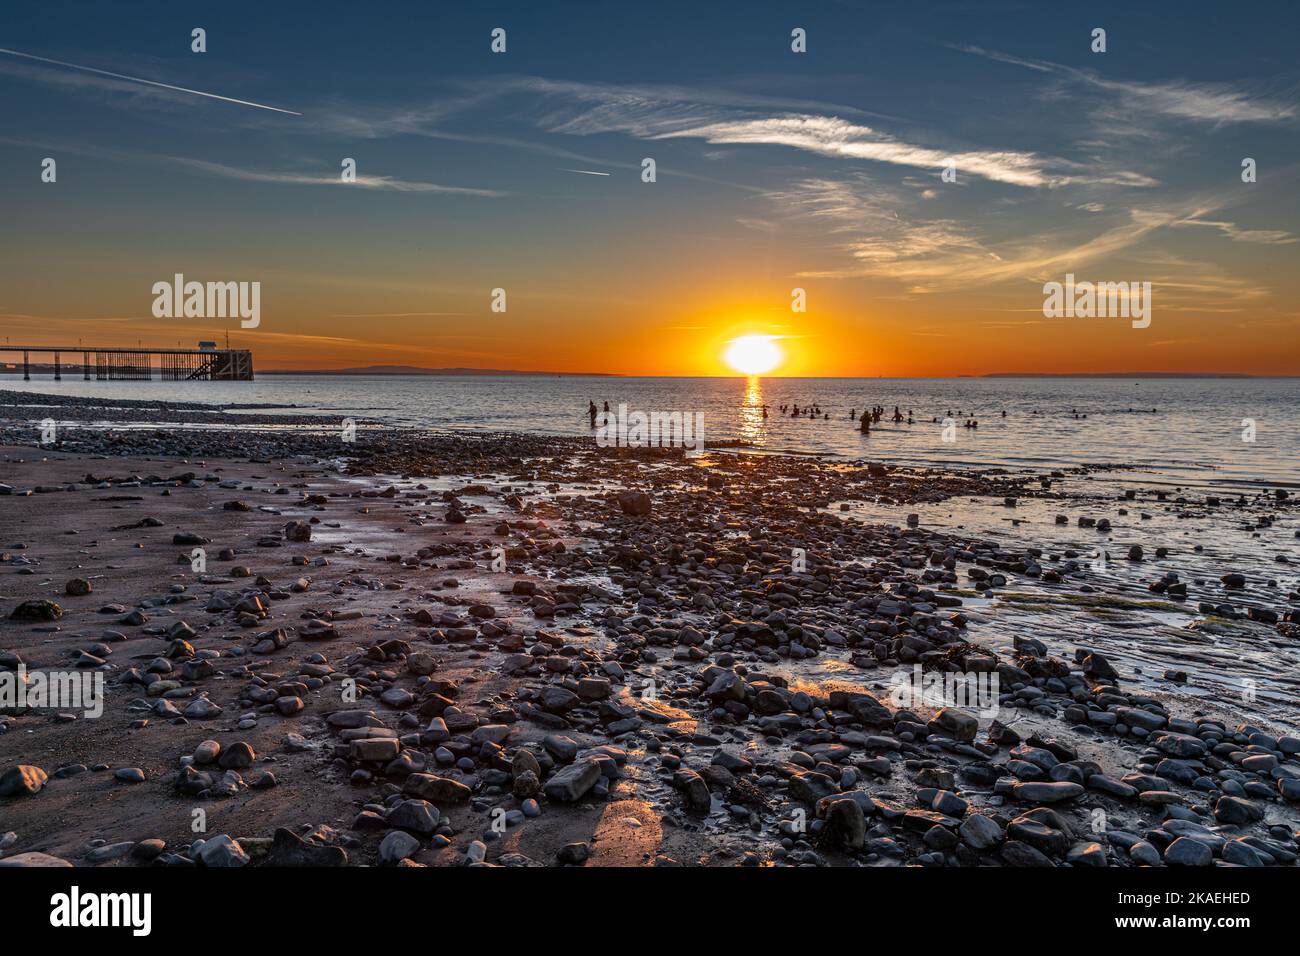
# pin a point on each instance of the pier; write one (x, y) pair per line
(139, 364)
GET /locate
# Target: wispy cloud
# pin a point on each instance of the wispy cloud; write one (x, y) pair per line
(721, 120)
(871, 227)
(140, 80)
(831, 136)
(1202, 102)
(1276, 237)
(388, 183)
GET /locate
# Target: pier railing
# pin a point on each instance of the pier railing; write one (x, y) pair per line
(139, 365)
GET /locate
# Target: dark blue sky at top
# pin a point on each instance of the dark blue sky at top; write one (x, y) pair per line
(889, 58)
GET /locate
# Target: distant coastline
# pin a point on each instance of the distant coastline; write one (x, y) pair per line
(418, 370)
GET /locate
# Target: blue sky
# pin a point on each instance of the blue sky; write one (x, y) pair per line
(775, 169)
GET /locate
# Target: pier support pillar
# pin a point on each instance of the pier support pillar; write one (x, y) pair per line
(85, 365)
(57, 376)
(27, 369)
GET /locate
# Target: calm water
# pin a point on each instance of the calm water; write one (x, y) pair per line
(1194, 433)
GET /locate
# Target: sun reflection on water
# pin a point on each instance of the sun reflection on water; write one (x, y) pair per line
(751, 411)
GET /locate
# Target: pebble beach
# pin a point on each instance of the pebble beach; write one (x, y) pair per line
(437, 649)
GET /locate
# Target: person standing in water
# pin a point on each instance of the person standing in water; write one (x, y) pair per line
(591, 412)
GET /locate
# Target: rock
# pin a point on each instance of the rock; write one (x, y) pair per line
(563, 749)
(351, 719)
(202, 709)
(980, 832)
(297, 531)
(1115, 788)
(421, 663)
(22, 780)
(1242, 854)
(1144, 854)
(77, 587)
(572, 782)
(866, 708)
(1022, 854)
(1180, 745)
(129, 775)
(427, 786)
(1087, 854)
(1235, 810)
(558, 700)
(1137, 717)
(634, 503)
(846, 826)
(1095, 665)
(38, 610)
(222, 851)
(236, 757)
(109, 852)
(317, 630)
(695, 789)
(32, 859)
(1043, 792)
(397, 846)
(811, 786)
(1187, 852)
(524, 762)
(573, 854)
(489, 733)
(958, 724)
(594, 688)
(526, 784)
(375, 749)
(418, 816)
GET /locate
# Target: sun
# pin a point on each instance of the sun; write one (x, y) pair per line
(753, 354)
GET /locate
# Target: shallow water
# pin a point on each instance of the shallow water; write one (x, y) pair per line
(1183, 429)
(1239, 666)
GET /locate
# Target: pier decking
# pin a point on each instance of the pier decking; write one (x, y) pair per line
(171, 365)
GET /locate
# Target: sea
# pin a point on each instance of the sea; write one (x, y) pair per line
(1202, 432)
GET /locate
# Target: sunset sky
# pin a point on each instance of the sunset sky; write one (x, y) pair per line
(776, 170)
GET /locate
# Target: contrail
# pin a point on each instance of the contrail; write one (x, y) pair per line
(136, 79)
(585, 172)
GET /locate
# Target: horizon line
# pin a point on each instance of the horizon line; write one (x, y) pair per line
(418, 371)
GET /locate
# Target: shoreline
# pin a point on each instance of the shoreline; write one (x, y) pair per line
(121, 413)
